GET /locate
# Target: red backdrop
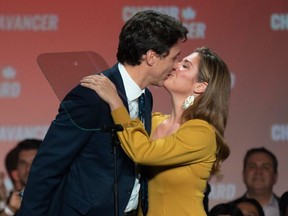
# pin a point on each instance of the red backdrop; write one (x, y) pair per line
(251, 36)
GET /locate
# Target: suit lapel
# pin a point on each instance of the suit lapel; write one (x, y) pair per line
(114, 75)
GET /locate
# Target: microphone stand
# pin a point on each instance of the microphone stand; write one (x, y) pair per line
(113, 129)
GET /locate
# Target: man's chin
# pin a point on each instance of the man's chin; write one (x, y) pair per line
(159, 84)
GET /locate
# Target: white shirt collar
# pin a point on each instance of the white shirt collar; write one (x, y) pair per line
(132, 90)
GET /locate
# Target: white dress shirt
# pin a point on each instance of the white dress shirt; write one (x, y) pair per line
(272, 208)
(133, 91)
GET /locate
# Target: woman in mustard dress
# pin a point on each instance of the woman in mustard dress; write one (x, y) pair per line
(186, 147)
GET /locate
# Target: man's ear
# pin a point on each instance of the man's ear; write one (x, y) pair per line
(150, 57)
(200, 87)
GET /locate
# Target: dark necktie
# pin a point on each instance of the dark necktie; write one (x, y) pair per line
(143, 179)
(141, 102)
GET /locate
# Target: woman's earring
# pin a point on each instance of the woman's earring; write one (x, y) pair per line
(188, 102)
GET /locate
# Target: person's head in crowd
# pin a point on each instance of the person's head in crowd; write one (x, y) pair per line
(11, 167)
(27, 150)
(284, 204)
(249, 207)
(260, 172)
(225, 209)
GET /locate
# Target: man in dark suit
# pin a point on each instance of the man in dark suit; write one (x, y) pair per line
(260, 174)
(73, 172)
(18, 162)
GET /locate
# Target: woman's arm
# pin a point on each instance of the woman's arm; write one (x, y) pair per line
(194, 142)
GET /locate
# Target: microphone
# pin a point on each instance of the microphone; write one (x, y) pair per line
(112, 128)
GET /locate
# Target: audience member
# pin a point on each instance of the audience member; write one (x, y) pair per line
(225, 209)
(3, 191)
(11, 167)
(284, 204)
(11, 170)
(21, 156)
(260, 173)
(249, 207)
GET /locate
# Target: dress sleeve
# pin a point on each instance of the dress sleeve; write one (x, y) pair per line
(193, 142)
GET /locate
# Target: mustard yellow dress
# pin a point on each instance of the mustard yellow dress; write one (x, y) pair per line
(179, 164)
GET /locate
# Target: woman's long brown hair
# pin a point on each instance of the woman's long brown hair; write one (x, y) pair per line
(213, 104)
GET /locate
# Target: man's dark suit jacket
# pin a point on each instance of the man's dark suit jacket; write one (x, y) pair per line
(73, 171)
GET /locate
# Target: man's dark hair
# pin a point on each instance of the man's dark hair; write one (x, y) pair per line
(11, 159)
(225, 209)
(148, 30)
(254, 202)
(261, 150)
(29, 144)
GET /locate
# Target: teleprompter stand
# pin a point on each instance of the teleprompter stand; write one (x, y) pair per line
(113, 129)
